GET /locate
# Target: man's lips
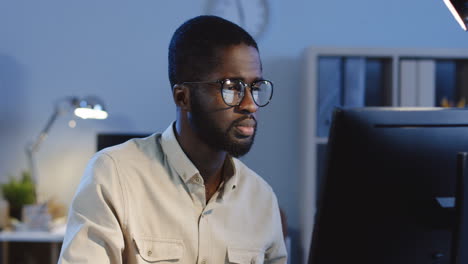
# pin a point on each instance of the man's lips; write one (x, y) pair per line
(246, 127)
(245, 131)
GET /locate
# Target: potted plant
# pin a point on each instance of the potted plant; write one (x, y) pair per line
(19, 193)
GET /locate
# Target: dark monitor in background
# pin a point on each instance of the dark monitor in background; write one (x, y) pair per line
(105, 140)
(389, 191)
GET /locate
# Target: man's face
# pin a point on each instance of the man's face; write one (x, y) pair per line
(231, 129)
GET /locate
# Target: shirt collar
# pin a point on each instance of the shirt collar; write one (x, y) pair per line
(176, 156)
(184, 166)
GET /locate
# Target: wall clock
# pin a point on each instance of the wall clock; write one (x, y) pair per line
(252, 15)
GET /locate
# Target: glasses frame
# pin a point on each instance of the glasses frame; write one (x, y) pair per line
(245, 85)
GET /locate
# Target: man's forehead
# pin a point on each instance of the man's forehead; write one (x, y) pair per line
(239, 62)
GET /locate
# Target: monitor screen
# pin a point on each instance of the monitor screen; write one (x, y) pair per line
(105, 140)
(388, 196)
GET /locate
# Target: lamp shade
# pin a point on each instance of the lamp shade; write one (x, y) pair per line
(89, 108)
(459, 9)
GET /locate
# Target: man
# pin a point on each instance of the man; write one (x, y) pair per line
(182, 196)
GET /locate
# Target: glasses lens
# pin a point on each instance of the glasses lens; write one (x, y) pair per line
(262, 92)
(233, 92)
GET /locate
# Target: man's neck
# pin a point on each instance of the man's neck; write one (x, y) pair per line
(209, 162)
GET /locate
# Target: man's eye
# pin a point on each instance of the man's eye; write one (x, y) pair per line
(255, 88)
(233, 86)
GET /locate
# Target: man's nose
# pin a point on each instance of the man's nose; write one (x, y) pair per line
(248, 104)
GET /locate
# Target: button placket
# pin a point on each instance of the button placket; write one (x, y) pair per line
(205, 243)
(197, 191)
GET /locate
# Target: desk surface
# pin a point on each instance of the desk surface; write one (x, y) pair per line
(31, 236)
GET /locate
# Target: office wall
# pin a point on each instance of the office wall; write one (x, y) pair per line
(118, 50)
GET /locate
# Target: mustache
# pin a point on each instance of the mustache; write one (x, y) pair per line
(245, 121)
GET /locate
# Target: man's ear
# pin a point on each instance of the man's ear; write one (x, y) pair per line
(181, 96)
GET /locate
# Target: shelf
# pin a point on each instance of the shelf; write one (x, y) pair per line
(321, 140)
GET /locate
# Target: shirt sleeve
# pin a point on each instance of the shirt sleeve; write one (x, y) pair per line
(276, 253)
(96, 217)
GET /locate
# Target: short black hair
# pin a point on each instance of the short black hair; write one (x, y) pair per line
(195, 44)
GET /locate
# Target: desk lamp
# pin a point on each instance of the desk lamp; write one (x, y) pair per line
(85, 108)
(459, 9)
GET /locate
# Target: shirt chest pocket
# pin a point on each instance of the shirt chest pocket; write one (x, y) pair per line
(156, 250)
(245, 256)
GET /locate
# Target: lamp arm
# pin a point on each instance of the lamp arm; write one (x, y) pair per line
(34, 147)
(43, 135)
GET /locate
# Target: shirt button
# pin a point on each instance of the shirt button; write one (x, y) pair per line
(150, 253)
(203, 261)
(197, 180)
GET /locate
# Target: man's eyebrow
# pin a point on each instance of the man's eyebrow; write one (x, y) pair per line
(243, 79)
(235, 78)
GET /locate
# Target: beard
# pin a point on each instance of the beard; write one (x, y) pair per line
(205, 127)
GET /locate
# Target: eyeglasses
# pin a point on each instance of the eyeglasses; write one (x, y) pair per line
(233, 91)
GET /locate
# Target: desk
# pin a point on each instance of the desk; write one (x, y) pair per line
(31, 237)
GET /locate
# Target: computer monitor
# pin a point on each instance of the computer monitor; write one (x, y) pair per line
(105, 140)
(389, 190)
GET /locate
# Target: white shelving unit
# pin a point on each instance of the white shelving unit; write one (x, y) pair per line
(410, 82)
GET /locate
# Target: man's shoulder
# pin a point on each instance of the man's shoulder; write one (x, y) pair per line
(135, 148)
(133, 153)
(117, 164)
